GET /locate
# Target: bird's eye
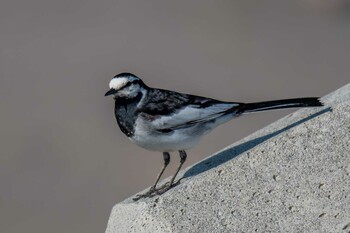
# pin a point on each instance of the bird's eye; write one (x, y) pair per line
(130, 83)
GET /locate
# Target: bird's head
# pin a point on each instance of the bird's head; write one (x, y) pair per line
(125, 85)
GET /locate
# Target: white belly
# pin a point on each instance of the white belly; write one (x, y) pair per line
(173, 141)
(148, 137)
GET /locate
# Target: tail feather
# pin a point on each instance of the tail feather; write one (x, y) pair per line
(280, 104)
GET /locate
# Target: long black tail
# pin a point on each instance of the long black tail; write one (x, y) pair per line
(279, 104)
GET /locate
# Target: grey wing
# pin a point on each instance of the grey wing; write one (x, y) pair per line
(171, 110)
(190, 116)
(162, 102)
(193, 114)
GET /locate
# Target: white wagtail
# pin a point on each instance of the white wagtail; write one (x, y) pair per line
(166, 121)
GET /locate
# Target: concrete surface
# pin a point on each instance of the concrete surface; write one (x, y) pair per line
(292, 176)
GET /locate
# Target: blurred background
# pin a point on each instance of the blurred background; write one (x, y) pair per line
(64, 162)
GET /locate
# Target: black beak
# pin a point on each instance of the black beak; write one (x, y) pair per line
(110, 92)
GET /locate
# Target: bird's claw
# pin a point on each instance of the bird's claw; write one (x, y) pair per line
(163, 189)
(149, 193)
(156, 191)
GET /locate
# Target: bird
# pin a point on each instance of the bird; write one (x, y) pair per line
(168, 121)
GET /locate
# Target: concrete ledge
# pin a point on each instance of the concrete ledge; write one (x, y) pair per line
(292, 176)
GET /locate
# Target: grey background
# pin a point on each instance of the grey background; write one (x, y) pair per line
(64, 163)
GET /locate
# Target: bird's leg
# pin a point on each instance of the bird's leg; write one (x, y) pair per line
(166, 187)
(183, 157)
(166, 157)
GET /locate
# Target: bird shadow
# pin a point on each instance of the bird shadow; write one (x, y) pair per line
(233, 152)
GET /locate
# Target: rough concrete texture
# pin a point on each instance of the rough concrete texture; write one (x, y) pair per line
(292, 176)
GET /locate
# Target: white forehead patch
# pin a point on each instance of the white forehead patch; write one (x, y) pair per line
(117, 83)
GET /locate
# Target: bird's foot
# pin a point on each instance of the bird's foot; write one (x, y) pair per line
(165, 187)
(149, 193)
(156, 191)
